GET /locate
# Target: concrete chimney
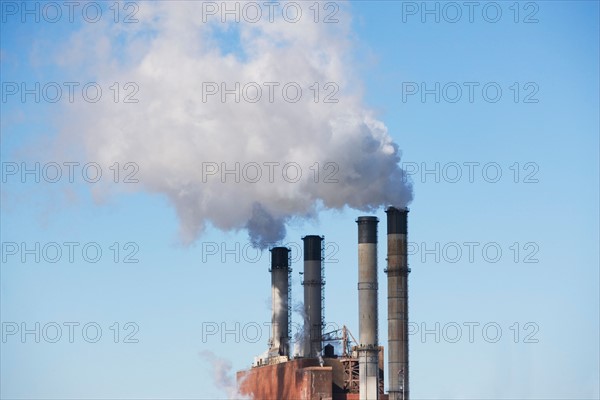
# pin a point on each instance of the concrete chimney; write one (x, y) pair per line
(368, 349)
(313, 295)
(397, 272)
(280, 285)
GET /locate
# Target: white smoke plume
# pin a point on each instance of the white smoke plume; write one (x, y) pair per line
(277, 310)
(223, 375)
(302, 333)
(285, 159)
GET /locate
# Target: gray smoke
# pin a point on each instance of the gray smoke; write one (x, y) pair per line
(264, 230)
(302, 333)
(226, 163)
(223, 376)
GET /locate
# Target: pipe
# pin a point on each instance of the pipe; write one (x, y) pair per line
(397, 272)
(368, 349)
(280, 318)
(313, 295)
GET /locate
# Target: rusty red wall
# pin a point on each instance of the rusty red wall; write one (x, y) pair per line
(300, 379)
(316, 383)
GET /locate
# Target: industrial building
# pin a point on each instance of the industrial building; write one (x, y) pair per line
(358, 372)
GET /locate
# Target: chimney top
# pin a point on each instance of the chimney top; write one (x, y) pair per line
(396, 220)
(367, 229)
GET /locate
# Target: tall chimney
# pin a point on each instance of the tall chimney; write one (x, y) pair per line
(397, 272)
(280, 284)
(313, 295)
(368, 349)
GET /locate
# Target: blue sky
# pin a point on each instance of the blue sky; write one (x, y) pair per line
(544, 220)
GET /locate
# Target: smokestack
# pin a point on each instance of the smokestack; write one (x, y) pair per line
(280, 285)
(397, 272)
(313, 295)
(368, 349)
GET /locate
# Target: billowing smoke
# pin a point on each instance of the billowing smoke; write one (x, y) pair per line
(302, 333)
(278, 311)
(223, 377)
(239, 125)
(263, 228)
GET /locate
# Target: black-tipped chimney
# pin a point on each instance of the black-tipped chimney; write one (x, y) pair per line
(397, 272)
